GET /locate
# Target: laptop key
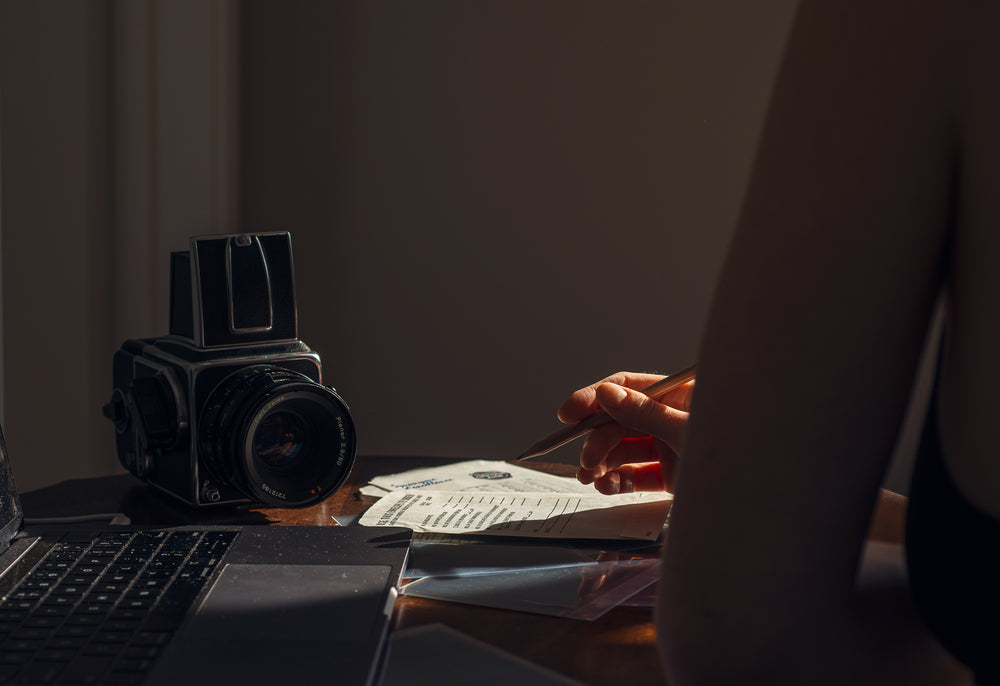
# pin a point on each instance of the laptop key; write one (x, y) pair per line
(86, 669)
(97, 610)
(14, 658)
(63, 600)
(125, 615)
(40, 672)
(30, 633)
(133, 665)
(137, 651)
(103, 636)
(89, 571)
(18, 606)
(102, 649)
(56, 655)
(73, 643)
(65, 589)
(80, 621)
(151, 638)
(129, 626)
(111, 587)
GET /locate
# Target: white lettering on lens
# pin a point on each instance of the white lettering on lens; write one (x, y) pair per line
(271, 491)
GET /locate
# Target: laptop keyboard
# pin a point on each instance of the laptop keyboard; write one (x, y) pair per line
(99, 610)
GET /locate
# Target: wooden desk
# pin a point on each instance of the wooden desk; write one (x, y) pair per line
(620, 647)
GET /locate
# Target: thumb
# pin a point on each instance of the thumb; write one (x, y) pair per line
(641, 413)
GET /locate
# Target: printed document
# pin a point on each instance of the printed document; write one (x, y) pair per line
(537, 515)
(491, 476)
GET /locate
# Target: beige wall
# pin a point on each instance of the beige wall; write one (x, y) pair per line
(491, 203)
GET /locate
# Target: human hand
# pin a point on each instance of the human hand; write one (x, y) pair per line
(637, 451)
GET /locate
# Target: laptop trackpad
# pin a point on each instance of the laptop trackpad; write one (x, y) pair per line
(261, 623)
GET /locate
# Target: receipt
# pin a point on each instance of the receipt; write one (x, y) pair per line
(536, 515)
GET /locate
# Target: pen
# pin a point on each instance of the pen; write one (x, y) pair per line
(567, 434)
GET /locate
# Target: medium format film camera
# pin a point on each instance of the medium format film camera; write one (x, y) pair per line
(229, 407)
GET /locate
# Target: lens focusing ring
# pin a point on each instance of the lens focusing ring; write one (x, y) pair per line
(277, 436)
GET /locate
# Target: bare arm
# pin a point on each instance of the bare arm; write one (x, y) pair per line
(808, 356)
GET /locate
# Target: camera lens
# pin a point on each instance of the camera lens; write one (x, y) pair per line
(281, 439)
(277, 436)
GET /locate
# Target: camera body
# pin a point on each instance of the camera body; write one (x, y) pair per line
(229, 407)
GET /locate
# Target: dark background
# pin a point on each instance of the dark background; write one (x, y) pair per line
(491, 203)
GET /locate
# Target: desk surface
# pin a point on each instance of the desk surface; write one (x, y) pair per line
(618, 647)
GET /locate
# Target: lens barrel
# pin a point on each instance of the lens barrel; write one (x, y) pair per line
(277, 436)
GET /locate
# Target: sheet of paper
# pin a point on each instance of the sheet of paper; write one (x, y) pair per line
(487, 555)
(493, 476)
(535, 515)
(580, 591)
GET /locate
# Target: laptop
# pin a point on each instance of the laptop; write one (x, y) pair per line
(193, 604)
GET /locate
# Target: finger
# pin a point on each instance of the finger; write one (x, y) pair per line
(634, 450)
(583, 403)
(651, 450)
(599, 443)
(680, 397)
(631, 478)
(640, 413)
(612, 444)
(586, 476)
